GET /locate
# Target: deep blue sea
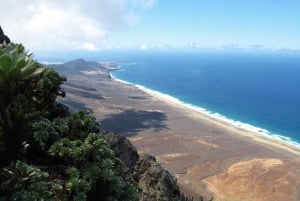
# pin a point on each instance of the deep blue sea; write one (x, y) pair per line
(255, 91)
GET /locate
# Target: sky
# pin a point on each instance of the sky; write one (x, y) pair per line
(91, 25)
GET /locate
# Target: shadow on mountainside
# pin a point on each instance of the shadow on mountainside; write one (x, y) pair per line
(75, 105)
(80, 87)
(130, 122)
(84, 94)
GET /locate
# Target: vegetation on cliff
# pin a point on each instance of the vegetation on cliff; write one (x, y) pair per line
(47, 153)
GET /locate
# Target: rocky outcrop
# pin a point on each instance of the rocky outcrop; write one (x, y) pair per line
(123, 149)
(155, 182)
(3, 37)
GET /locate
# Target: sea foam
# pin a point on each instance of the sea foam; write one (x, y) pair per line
(216, 116)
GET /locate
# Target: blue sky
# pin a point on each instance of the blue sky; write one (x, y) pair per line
(218, 23)
(102, 24)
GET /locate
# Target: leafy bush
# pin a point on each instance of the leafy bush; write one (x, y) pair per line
(45, 152)
(26, 182)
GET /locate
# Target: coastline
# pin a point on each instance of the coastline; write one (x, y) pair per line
(212, 185)
(257, 134)
(252, 131)
(209, 158)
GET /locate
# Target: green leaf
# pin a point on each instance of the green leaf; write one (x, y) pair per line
(13, 73)
(28, 68)
(34, 74)
(56, 186)
(13, 55)
(20, 62)
(3, 77)
(20, 48)
(5, 62)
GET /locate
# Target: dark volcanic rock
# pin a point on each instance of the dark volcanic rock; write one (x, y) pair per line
(155, 182)
(3, 37)
(123, 149)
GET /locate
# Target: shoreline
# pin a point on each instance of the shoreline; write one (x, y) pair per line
(258, 134)
(209, 158)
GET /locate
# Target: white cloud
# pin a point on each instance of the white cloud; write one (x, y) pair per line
(88, 46)
(150, 3)
(143, 47)
(68, 24)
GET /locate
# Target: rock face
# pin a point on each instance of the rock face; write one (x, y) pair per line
(123, 149)
(155, 182)
(3, 37)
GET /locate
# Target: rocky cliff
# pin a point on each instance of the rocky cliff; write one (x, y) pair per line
(154, 182)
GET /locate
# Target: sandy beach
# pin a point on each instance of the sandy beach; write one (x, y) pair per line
(210, 158)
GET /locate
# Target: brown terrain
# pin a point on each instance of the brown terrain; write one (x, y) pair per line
(209, 158)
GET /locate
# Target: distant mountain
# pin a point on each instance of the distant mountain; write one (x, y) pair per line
(81, 65)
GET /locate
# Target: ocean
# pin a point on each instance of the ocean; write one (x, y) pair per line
(253, 91)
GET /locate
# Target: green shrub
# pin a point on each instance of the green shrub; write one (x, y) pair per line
(45, 152)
